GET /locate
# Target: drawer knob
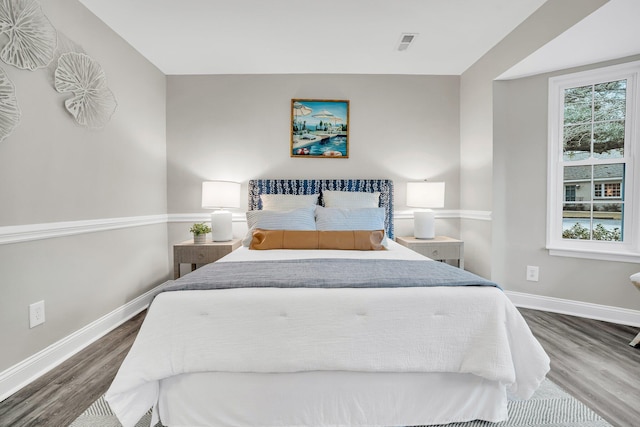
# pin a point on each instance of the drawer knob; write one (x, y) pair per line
(435, 252)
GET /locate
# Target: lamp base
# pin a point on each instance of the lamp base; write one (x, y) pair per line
(221, 227)
(424, 224)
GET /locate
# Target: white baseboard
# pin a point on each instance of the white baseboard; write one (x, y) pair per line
(21, 374)
(622, 316)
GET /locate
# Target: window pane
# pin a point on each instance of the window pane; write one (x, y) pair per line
(578, 95)
(577, 142)
(609, 181)
(610, 109)
(610, 100)
(580, 178)
(607, 221)
(576, 221)
(579, 112)
(608, 140)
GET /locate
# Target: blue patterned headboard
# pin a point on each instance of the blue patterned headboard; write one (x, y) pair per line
(315, 186)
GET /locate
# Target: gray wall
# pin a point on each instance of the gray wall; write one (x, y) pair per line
(52, 170)
(476, 119)
(520, 171)
(237, 128)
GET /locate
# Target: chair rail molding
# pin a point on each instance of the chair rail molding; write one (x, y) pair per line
(448, 213)
(28, 232)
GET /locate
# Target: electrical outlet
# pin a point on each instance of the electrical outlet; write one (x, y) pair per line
(532, 273)
(36, 314)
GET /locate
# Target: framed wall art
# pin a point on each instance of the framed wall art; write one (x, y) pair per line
(319, 128)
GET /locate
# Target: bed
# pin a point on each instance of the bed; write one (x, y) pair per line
(326, 337)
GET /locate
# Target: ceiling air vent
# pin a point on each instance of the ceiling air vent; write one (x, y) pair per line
(405, 41)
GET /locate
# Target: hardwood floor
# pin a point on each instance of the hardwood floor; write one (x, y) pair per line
(592, 361)
(59, 396)
(589, 359)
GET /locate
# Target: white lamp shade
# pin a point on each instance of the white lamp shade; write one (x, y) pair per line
(425, 194)
(220, 194)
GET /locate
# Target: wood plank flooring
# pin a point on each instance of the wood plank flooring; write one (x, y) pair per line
(59, 396)
(592, 361)
(589, 359)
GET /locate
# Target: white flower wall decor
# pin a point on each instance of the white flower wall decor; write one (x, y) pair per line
(92, 103)
(31, 37)
(64, 45)
(9, 110)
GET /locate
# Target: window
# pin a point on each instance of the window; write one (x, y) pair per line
(570, 193)
(612, 190)
(593, 147)
(608, 190)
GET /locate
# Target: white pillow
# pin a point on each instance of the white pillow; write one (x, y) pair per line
(350, 199)
(337, 219)
(285, 202)
(296, 219)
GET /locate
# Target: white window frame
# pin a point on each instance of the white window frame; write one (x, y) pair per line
(629, 249)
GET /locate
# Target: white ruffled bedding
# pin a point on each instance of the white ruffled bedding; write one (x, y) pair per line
(473, 330)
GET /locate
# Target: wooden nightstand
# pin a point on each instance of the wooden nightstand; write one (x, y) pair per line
(197, 255)
(440, 248)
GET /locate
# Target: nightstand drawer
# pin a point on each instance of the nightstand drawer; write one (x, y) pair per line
(200, 254)
(438, 252)
(440, 248)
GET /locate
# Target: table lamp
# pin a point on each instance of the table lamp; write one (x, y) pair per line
(220, 195)
(425, 195)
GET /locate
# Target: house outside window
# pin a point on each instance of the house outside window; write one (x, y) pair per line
(593, 150)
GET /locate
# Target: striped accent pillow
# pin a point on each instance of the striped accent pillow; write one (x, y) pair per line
(336, 219)
(296, 219)
(285, 202)
(350, 199)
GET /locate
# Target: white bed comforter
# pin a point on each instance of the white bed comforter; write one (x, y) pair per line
(473, 330)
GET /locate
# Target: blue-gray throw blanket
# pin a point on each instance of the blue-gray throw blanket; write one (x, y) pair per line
(326, 273)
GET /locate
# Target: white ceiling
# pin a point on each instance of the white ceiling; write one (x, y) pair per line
(347, 36)
(302, 36)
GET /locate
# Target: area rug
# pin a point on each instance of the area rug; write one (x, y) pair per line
(550, 406)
